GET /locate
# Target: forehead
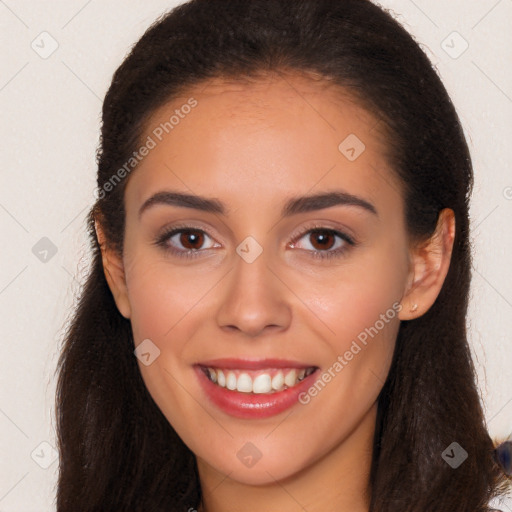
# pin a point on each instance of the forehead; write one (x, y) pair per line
(259, 138)
(265, 97)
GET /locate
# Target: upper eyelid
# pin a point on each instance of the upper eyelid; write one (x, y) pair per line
(338, 231)
(297, 234)
(167, 234)
(226, 231)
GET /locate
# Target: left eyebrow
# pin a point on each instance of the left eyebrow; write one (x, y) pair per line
(294, 206)
(304, 204)
(179, 199)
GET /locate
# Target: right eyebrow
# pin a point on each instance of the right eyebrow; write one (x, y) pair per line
(179, 199)
(294, 206)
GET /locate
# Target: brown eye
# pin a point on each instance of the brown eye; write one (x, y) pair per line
(191, 239)
(324, 242)
(321, 239)
(186, 241)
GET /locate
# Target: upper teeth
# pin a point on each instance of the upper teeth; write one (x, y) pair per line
(258, 382)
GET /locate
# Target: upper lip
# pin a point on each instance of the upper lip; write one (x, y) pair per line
(253, 364)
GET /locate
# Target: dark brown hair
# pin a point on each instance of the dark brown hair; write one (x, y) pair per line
(117, 450)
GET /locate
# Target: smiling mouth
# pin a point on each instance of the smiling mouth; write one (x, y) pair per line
(269, 381)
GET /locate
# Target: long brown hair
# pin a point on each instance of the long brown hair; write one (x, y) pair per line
(117, 450)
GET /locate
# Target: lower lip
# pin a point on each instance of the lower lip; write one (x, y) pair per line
(250, 405)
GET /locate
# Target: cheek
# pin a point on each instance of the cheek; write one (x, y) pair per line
(361, 310)
(359, 300)
(166, 303)
(163, 297)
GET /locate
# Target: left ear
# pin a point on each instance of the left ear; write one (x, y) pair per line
(430, 262)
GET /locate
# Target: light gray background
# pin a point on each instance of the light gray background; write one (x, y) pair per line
(49, 131)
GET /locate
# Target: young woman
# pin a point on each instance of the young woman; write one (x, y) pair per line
(275, 315)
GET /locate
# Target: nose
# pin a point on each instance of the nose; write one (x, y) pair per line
(255, 299)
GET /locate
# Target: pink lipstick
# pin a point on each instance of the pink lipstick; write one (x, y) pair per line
(253, 389)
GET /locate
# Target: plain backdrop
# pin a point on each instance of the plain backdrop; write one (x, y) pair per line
(57, 61)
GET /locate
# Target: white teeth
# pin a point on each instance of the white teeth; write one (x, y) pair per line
(231, 381)
(261, 384)
(278, 381)
(266, 382)
(244, 383)
(290, 378)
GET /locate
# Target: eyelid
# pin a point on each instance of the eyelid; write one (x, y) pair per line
(162, 239)
(345, 232)
(166, 233)
(348, 243)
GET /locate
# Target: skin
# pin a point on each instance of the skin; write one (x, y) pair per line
(253, 146)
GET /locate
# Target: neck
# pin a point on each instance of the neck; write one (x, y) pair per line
(337, 481)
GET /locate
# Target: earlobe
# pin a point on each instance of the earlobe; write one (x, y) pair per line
(114, 273)
(430, 262)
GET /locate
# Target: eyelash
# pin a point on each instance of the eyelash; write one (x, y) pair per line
(162, 241)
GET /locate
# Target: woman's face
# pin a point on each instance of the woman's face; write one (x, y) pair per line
(246, 286)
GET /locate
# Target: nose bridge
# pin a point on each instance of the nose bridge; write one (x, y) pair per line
(254, 298)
